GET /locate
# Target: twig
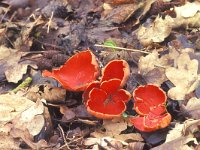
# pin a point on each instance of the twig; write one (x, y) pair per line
(121, 48)
(49, 23)
(50, 45)
(64, 139)
(5, 14)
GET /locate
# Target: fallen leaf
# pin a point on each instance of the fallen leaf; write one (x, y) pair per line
(186, 72)
(175, 133)
(8, 142)
(128, 56)
(11, 106)
(188, 10)
(181, 143)
(151, 68)
(121, 13)
(24, 42)
(135, 146)
(192, 109)
(180, 136)
(155, 32)
(20, 114)
(114, 129)
(187, 15)
(50, 93)
(10, 66)
(68, 114)
(104, 142)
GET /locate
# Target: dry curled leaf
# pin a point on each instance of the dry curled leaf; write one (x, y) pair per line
(114, 129)
(49, 93)
(10, 66)
(128, 56)
(180, 136)
(150, 67)
(187, 15)
(186, 72)
(20, 114)
(155, 32)
(192, 109)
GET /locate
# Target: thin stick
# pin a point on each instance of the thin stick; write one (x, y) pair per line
(49, 23)
(121, 48)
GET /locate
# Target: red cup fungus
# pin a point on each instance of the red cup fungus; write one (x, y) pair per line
(77, 72)
(118, 69)
(105, 99)
(150, 105)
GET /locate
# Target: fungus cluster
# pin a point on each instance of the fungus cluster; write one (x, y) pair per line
(150, 103)
(106, 98)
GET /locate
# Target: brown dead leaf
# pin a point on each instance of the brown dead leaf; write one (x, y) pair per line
(155, 32)
(49, 93)
(186, 72)
(187, 15)
(104, 142)
(188, 10)
(121, 13)
(31, 119)
(150, 67)
(8, 142)
(68, 114)
(128, 56)
(114, 129)
(180, 136)
(188, 128)
(135, 146)
(79, 112)
(11, 106)
(10, 66)
(23, 42)
(20, 113)
(192, 109)
(181, 143)
(175, 133)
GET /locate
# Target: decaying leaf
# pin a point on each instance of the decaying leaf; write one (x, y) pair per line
(135, 146)
(23, 42)
(155, 32)
(186, 72)
(187, 15)
(116, 15)
(180, 136)
(11, 106)
(114, 128)
(80, 112)
(104, 142)
(49, 93)
(150, 67)
(181, 143)
(10, 66)
(19, 113)
(192, 109)
(128, 56)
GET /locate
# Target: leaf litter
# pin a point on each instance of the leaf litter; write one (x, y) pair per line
(158, 40)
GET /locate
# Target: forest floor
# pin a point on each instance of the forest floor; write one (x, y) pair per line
(158, 43)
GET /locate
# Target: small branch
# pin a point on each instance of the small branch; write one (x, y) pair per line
(121, 48)
(49, 23)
